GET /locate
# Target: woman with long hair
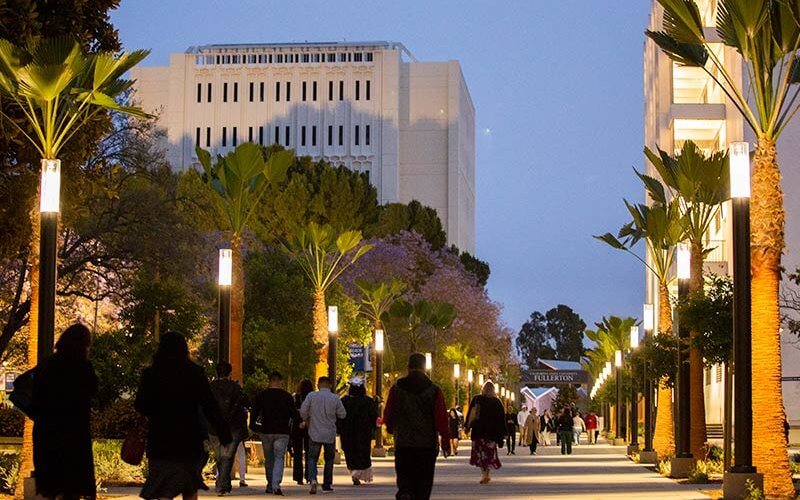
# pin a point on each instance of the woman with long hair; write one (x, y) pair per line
(487, 426)
(300, 434)
(63, 387)
(356, 430)
(175, 396)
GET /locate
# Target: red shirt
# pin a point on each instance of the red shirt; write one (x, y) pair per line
(591, 421)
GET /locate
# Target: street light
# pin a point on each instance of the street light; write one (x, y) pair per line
(618, 427)
(456, 375)
(648, 455)
(743, 468)
(428, 362)
(683, 454)
(224, 280)
(648, 321)
(48, 242)
(379, 390)
(481, 380)
(333, 331)
(634, 444)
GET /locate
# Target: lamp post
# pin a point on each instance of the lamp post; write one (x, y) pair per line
(456, 375)
(619, 439)
(481, 380)
(634, 426)
(742, 470)
(648, 455)
(224, 278)
(429, 364)
(683, 461)
(333, 335)
(607, 420)
(379, 451)
(469, 385)
(48, 243)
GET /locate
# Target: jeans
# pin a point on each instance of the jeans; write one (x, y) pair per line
(577, 432)
(299, 450)
(533, 446)
(510, 442)
(225, 456)
(566, 442)
(275, 446)
(313, 457)
(414, 468)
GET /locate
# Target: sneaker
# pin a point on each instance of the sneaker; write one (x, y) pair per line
(242, 484)
(278, 492)
(356, 481)
(313, 490)
(269, 490)
(327, 489)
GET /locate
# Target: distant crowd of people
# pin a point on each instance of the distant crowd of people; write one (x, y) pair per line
(187, 416)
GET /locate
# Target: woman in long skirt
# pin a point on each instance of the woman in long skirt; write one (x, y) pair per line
(487, 426)
(357, 429)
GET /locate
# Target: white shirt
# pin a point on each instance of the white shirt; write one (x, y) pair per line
(522, 417)
(320, 410)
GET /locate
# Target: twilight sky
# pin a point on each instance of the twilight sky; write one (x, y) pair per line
(557, 88)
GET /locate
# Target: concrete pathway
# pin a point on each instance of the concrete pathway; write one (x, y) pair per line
(598, 471)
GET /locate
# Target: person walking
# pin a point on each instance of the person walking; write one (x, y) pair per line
(565, 435)
(591, 427)
(545, 426)
(415, 413)
(486, 423)
(174, 395)
(300, 435)
(578, 426)
(531, 431)
(455, 420)
(522, 416)
(241, 462)
(62, 390)
(272, 417)
(319, 412)
(511, 431)
(233, 403)
(357, 429)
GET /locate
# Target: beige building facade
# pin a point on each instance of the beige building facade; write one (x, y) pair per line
(370, 106)
(683, 103)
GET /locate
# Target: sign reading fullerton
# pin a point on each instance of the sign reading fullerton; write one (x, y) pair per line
(556, 377)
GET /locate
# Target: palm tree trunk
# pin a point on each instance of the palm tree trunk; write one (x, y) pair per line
(320, 332)
(237, 307)
(697, 405)
(26, 467)
(664, 433)
(767, 219)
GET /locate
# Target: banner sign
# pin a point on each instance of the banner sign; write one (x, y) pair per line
(556, 377)
(9, 381)
(360, 358)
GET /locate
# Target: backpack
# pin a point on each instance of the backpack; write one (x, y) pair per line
(22, 395)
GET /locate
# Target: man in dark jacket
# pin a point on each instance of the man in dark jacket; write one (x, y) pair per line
(233, 403)
(415, 413)
(273, 413)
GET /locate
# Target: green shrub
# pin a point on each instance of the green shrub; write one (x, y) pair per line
(11, 422)
(752, 492)
(714, 452)
(9, 469)
(115, 421)
(699, 473)
(109, 467)
(664, 467)
(794, 467)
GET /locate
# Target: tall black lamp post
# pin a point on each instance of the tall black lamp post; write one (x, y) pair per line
(619, 438)
(456, 376)
(48, 243)
(633, 446)
(683, 462)
(735, 479)
(333, 335)
(648, 455)
(224, 316)
(379, 451)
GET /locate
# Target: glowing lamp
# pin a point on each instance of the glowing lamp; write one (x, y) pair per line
(496, 388)
(740, 169)
(50, 196)
(428, 361)
(333, 319)
(634, 337)
(469, 376)
(378, 340)
(608, 367)
(225, 267)
(513, 397)
(481, 380)
(684, 261)
(648, 319)
(618, 359)
(456, 370)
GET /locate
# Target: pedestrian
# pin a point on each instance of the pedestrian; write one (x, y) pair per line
(455, 420)
(233, 403)
(272, 416)
(175, 396)
(63, 387)
(319, 412)
(578, 426)
(415, 413)
(511, 431)
(357, 430)
(591, 427)
(531, 431)
(486, 423)
(565, 434)
(241, 462)
(300, 435)
(545, 425)
(522, 416)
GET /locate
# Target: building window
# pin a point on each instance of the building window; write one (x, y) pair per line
(251, 93)
(209, 92)
(357, 57)
(277, 135)
(341, 90)
(234, 137)
(314, 91)
(288, 91)
(357, 134)
(366, 135)
(208, 137)
(277, 91)
(261, 135)
(358, 90)
(199, 92)
(368, 56)
(224, 136)
(261, 91)
(313, 135)
(225, 92)
(197, 137)
(305, 85)
(286, 135)
(367, 95)
(249, 134)
(330, 135)
(330, 90)
(341, 135)
(235, 91)
(303, 135)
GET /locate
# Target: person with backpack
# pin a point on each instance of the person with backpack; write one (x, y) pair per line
(233, 404)
(487, 427)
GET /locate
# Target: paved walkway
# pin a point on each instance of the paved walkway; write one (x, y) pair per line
(598, 471)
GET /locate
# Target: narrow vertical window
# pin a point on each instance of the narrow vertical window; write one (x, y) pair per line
(209, 92)
(288, 91)
(208, 137)
(199, 92)
(366, 135)
(305, 85)
(261, 91)
(277, 135)
(303, 135)
(235, 91)
(286, 135)
(330, 90)
(367, 90)
(358, 90)
(252, 85)
(249, 134)
(330, 135)
(341, 90)
(234, 137)
(341, 135)
(225, 92)
(314, 91)
(313, 135)
(197, 137)
(224, 136)
(261, 135)
(277, 91)
(357, 135)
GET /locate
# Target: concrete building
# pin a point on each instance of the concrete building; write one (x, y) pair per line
(683, 103)
(370, 106)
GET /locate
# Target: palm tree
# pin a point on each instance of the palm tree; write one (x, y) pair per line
(240, 180)
(765, 33)
(661, 228)
(323, 254)
(58, 88)
(377, 298)
(701, 184)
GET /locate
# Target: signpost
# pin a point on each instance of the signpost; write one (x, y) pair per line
(556, 377)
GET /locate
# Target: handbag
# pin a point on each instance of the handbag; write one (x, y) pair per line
(133, 447)
(22, 395)
(474, 415)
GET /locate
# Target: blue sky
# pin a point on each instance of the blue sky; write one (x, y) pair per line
(557, 88)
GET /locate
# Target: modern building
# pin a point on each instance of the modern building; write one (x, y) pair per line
(683, 103)
(370, 106)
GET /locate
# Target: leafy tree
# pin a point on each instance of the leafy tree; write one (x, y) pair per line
(480, 269)
(397, 217)
(557, 334)
(422, 318)
(711, 315)
(765, 33)
(567, 398)
(533, 341)
(377, 299)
